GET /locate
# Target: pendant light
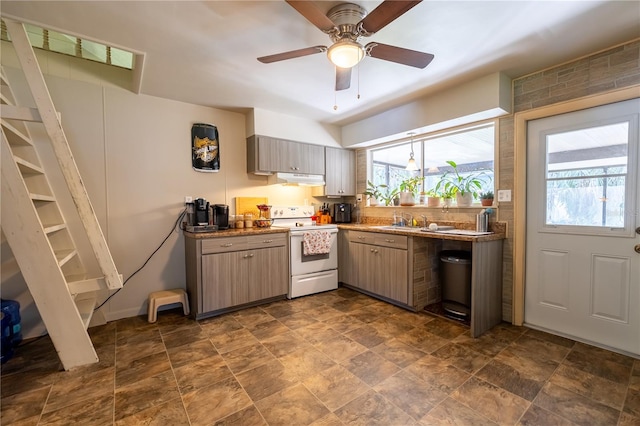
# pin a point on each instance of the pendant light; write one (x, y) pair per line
(411, 165)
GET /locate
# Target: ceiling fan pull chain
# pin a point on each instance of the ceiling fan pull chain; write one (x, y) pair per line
(335, 100)
(358, 97)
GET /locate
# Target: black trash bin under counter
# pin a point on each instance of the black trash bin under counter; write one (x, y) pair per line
(455, 275)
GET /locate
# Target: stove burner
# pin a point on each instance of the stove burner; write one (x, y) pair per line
(299, 224)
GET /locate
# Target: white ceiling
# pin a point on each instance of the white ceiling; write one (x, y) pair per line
(204, 52)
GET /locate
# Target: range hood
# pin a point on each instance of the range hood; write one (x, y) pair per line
(300, 179)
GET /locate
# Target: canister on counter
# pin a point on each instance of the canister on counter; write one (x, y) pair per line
(248, 220)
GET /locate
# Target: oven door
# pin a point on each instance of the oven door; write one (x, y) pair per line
(301, 264)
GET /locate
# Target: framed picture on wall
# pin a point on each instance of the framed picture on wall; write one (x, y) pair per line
(205, 148)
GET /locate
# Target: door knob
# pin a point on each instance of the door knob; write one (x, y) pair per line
(637, 248)
(638, 230)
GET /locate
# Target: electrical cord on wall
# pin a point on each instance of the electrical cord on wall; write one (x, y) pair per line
(173, 228)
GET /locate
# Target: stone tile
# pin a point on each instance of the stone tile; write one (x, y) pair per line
(266, 379)
(628, 420)
(175, 321)
(252, 316)
(93, 411)
(515, 381)
(134, 347)
(335, 386)
(344, 324)
(280, 309)
(445, 328)
(292, 405)
(349, 305)
(536, 416)
(390, 327)
(551, 338)
(423, 340)
(493, 402)
(416, 319)
(452, 412)
(594, 387)
(577, 408)
(398, 352)
(247, 357)
(439, 373)
(233, 340)
(249, 416)
(170, 413)
(191, 352)
(632, 403)
(412, 395)
(317, 332)
(487, 344)
(340, 348)
(184, 337)
(21, 406)
(634, 382)
(201, 373)
(373, 409)
(367, 336)
(69, 390)
(462, 357)
(142, 368)
(533, 347)
(370, 367)
(29, 380)
(208, 405)
(306, 362)
(220, 325)
(323, 313)
(592, 362)
(328, 420)
(146, 393)
(267, 329)
(297, 320)
(285, 343)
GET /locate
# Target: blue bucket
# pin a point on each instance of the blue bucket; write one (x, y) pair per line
(11, 309)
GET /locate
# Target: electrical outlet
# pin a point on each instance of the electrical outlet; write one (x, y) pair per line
(188, 199)
(359, 198)
(504, 195)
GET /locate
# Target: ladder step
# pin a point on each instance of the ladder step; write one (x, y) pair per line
(19, 137)
(28, 168)
(85, 309)
(50, 229)
(42, 197)
(10, 112)
(63, 256)
(78, 284)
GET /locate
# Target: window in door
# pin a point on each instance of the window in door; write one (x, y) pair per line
(587, 176)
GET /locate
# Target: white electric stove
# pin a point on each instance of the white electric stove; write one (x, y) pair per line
(313, 273)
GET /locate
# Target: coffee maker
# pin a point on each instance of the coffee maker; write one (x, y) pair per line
(221, 216)
(342, 213)
(201, 216)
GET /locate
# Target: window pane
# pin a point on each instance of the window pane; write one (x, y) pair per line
(586, 176)
(94, 51)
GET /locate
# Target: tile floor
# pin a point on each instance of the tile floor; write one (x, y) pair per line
(333, 358)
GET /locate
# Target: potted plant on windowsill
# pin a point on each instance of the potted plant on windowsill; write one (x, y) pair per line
(409, 190)
(374, 192)
(464, 188)
(433, 198)
(389, 196)
(486, 198)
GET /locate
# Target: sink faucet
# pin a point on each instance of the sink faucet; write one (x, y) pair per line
(410, 221)
(424, 220)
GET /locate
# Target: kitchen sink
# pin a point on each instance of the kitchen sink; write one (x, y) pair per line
(450, 231)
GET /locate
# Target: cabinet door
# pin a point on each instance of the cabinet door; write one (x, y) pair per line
(392, 273)
(267, 149)
(315, 160)
(348, 172)
(268, 273)
(333, 171)
(344, 260)
(365, 266)
(219, 276)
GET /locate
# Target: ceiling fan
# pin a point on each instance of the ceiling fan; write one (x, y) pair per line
(346, 24)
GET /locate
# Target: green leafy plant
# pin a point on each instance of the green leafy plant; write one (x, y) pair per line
(411, 184)
(453, 182)
(374, 191)
(486, 195)
(388, 196)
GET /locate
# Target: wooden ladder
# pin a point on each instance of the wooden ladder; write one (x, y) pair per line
(33, 222)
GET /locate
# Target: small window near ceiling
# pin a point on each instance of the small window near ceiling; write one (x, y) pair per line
(472, 149)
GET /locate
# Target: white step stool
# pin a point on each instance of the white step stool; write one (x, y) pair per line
(166, 297)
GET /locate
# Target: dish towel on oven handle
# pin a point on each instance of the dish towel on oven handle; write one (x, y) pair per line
(316, 242)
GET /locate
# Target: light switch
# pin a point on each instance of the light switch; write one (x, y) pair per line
(504, 195)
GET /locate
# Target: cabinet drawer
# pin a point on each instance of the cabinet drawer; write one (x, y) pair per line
(391, 240)
(266, 240)
(223, 245)
(361, 237)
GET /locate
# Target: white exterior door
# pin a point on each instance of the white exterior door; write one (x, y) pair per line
(583, 199)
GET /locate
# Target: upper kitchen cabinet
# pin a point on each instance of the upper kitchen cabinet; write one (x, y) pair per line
(266, 155)
(340, 172)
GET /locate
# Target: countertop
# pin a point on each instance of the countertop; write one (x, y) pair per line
(235, 232)
(415, 232)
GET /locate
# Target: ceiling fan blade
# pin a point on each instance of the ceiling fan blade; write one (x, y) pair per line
(400, 55)
(313, 14)
(292, 54)
(343, 78)
(385, 13)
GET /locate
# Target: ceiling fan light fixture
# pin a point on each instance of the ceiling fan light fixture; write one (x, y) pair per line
(345, 54)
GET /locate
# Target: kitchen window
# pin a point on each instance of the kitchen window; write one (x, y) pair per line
(472, 148)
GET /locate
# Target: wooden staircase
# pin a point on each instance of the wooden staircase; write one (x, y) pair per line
(33, 222)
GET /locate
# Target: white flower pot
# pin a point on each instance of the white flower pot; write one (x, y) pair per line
(407, 199)
(373, 202)
(464, 200)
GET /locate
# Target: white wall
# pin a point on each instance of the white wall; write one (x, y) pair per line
(269, 123)
(133, 152)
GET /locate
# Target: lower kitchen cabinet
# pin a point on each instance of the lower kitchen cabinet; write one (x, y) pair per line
(379, 264)
(224, 273)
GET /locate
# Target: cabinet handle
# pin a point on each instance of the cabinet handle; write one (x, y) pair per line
(361, 238)
(226, 245)
(374, 250)
(390, 241)
(248, 255)
(267, 241)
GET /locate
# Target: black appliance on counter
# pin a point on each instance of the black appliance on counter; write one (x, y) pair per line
(342, 213)
(221, 216)
(201, 216)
